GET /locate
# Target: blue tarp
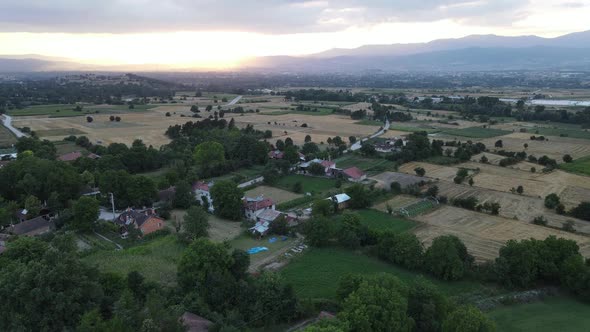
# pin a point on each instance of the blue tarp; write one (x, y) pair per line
(256, 250)
(272, 240)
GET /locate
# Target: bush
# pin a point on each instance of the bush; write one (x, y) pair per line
(89, 119)
(567, 158)
(540, 220)
(551, 201)
(568, 226)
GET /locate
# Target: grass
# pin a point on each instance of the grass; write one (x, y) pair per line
(243, 174)
(562, 132)
(316, 273)
(156, 260)
(6, 137)
(382, 221)
(579, 166)
(247, 241)
(554, 314)
(309, 184)
(64, 147)
(475, 132)
(442, 160)
(369, 165)
(411, 128)
(60, 132)
(67, 110)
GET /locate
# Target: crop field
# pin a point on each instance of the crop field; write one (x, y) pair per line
(309, 184)
(555, 148)
(385, 179)
(553, 314)
(278, 195)
(432, 171)
(494, 159)
(155, 260)
(6, 137)
(382, 221)
(369, 165)
(475, 132)
(397, 202)
(555, 129)
(416, 208)
(315, 274)
(578, 166)
(484, 234)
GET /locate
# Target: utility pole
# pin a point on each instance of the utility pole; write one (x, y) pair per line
(113, 204)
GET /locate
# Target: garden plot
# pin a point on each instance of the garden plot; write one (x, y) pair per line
(484, 234)
(278, 195)
(385, 179)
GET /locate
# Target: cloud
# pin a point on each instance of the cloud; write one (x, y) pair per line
(265, 16)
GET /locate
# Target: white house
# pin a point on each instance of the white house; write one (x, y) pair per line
(341, 200)
(203, 194)
(329, 166)
(254, 206)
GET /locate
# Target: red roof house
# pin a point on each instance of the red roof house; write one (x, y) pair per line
(354, 174)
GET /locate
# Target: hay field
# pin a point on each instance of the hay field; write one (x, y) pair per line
(385, 179)
(484, 234)
(438, 172)
(278, 195)
(555, 148)
(512, 206)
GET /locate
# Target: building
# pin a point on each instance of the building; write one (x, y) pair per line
(203, 195)
(329, 166)
(36, 226)
(145, 221)
(341, 200)
(278, 154)
(254, 206)
(354, 174)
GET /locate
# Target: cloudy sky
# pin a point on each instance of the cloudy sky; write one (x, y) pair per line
(219, 33)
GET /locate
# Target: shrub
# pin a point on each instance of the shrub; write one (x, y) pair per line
(540, 220)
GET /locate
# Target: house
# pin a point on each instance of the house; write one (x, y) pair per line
(36, 226)
(354, 174)
(341, 200)
(146, 221)
(278, 154)
(73, 156)
(194, 323)
(260, 228)
(203, 195)
(253, 206)
(329, 166)
(268, 215)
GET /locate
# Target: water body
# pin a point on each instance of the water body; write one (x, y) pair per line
(550, 102)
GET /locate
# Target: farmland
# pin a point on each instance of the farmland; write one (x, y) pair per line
(578, 166)
(316, 273)
(552, 314)
(382, 221)
(475, 132)
(277, 195)
(369, 165)
(309, 184)
(6, 137)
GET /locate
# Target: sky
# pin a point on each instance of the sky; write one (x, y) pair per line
(220, 34)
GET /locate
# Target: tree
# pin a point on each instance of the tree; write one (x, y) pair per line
(483, 159)
(352, 139)
(279, 226)
(396, 187)
(420, 171)
(33, 206)
(359, 198)
(196, 223)
(568, 226)
(404, 249)
(118, 119)
(298, 187)
(318, 231)
(89, 119)
(310, 148)
(209, 156)
(471, 182)
(567, 158)
(307, 139)
(426, 305)
(316, 169)
(520, 190)
(375, 308)
(498, 144)
(540, 220)
(322, 207)
(280, 145)
(551, 201)
(200, 260)
(195, 109)
(288, 142)
(112, 118)
(227, 200)
(350, 232)
(582, 211)
(85, 213)
(447, 258)
(367, 149)
(468, 319)
(183, 195)
(432, 191)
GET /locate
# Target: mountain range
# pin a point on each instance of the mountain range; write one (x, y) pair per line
(471, 53)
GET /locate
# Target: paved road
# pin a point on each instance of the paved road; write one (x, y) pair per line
(358, 144)
(234, 101)
(8, 124)
(251, 182)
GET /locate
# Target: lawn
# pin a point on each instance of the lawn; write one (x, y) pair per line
(369, 165)
(6, 137)
(278, 195)
(310, 184)
(580, 166)
(156, 260)
(247, 241)
(382, 221)
(64, 147)
(316, 273)
(475, 132)
(554, 314)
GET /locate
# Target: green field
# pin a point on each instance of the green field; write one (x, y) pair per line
(555, 314)
(475, 132)
(310, 184)
(411, 127)
(382, 221)
(369, 165)
(564, 132)
(67, 110)
(6, 137)
(156, 260)
(580, 166)
(320, 112)
(316, 273)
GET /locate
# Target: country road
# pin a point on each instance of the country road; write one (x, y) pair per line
(7, 122)
(358, 144)
(234, 101)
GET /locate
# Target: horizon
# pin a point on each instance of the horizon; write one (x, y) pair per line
(226, 34)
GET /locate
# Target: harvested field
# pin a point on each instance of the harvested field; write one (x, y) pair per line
(278, 195)
(555, 148)
(516, 207)
(484, 234)
(438, 172)
(494, 159)
(397, 202)
(60, 132)
(384, 180)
